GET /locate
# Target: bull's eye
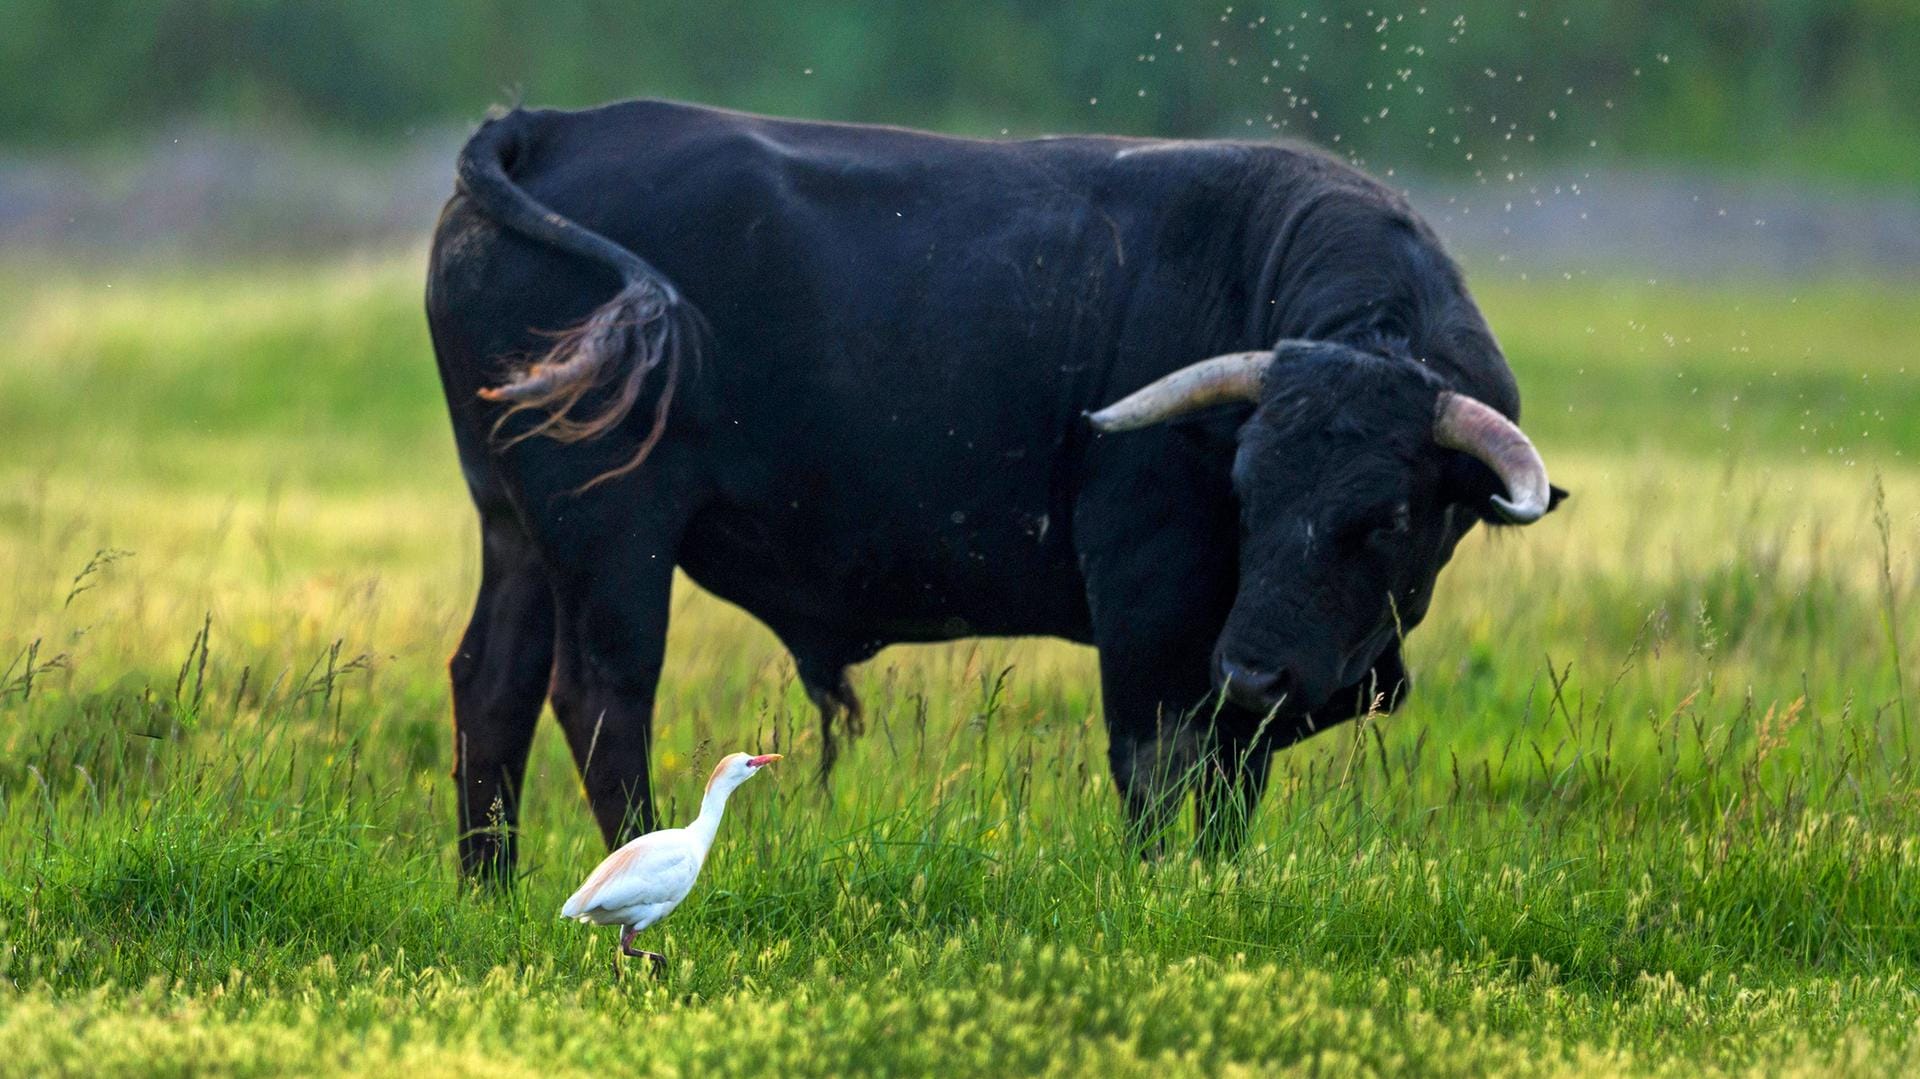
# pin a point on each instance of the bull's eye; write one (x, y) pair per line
(1388, 525)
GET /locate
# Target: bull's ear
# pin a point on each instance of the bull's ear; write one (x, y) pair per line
(1556, 495)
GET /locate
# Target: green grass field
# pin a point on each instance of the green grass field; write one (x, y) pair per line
(1651, 809)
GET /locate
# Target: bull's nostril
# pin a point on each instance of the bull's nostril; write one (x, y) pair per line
(1250, 687)
(1279, 684)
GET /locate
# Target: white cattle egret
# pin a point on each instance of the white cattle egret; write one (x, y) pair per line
(642, 882)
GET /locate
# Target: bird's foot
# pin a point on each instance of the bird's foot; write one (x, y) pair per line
(659, 961)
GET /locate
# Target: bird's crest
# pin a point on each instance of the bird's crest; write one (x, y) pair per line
(721, 767)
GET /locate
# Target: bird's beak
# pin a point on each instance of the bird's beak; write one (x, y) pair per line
(763, 760)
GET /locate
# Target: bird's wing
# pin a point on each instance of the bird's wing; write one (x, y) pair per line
(659, 867)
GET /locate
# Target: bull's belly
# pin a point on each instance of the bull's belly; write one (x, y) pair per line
(873, 586)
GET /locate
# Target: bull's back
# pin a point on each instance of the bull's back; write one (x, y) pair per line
(904, 329)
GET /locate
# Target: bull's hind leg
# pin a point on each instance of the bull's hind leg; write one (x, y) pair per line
(499, 675)
(613, 606)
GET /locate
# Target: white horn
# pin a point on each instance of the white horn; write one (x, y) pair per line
(1233, 377)
(1473, 427)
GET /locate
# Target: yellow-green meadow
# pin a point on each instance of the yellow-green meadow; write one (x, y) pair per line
(1650, 809)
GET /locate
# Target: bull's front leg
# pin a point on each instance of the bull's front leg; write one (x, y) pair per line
(1160, 708)
(1156, 530)
(1233, 771)
(1154, 764)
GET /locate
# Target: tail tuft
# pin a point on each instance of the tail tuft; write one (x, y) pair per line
(639, 331)
(835, 701)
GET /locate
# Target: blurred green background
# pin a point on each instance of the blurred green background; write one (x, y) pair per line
(1650, 810)
(1804, 86)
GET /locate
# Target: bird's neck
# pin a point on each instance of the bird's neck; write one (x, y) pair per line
(711, 807)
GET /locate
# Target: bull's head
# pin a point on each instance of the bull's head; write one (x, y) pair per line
(1356, 474)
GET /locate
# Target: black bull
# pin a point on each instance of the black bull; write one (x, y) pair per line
(841, 375)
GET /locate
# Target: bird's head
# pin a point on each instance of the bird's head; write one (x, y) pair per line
(736, 768)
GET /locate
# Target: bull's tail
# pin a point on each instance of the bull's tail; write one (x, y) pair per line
(646, 326)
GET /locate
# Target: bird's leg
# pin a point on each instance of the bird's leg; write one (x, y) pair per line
(626, 938)
(627, 933)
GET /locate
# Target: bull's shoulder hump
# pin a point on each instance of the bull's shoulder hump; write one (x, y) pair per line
(1197, 149)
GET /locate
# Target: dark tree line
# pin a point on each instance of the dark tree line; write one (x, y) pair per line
(1824, 85)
